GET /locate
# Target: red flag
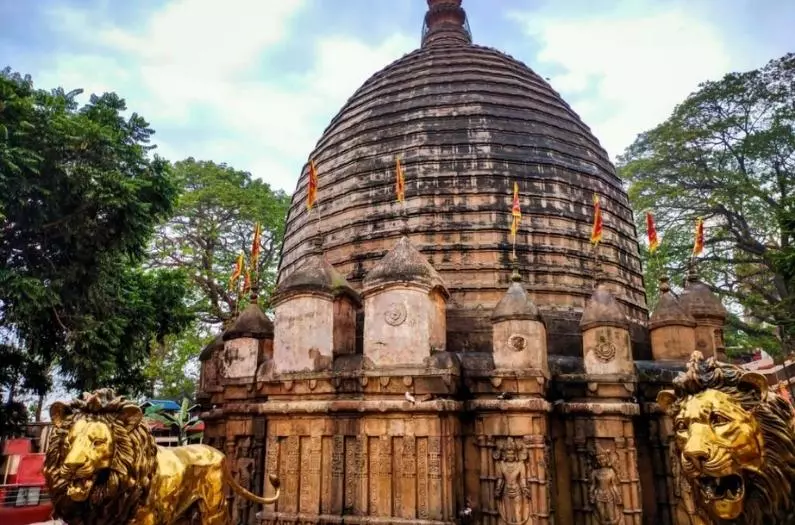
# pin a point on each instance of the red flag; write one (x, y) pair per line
(400, 181)
(652, 233)
(311, 191)
(596, 231)
(698, 245)
(516, 210)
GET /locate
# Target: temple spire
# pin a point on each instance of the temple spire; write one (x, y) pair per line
(445, 23)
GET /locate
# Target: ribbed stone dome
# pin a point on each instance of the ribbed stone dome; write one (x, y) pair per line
(468, 121)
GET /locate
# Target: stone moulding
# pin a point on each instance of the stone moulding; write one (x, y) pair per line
(283, 518)
(598, 408)
(532, 404)
(344, 405)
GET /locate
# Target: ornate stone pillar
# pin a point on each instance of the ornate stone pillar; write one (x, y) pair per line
(506, 446)
(210, 394)
(371, 438)
(248, 346)
(599, 432)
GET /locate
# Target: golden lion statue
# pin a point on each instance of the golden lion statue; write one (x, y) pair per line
(103, 468)
(735, 441)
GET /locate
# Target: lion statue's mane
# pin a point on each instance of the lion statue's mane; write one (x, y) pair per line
(769, 498)
(132, 468)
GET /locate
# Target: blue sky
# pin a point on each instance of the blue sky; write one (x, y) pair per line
(253, 82)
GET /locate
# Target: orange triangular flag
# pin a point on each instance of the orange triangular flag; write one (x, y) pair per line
(516, 210)
(698, 244)
(596, 231)
(311, 191)
(651, 231)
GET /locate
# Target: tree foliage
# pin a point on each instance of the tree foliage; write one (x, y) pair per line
(727, 154)
(173, 369)
(214, 223)
(79, 200)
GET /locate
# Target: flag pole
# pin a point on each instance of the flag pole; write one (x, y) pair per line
(513, 251)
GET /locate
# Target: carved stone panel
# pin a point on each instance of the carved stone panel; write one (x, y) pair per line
(512, 490)
(604, 489)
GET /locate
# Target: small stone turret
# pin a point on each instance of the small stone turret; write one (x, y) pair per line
(209, 359)
(248, 343)
(605, 335)
(709, 314)
(315, 311)
(404, 308)
(673, 330)
(518, 331)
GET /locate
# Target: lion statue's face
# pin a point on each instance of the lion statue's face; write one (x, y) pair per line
(734, 442)
(101, 458)
(719, 444)
(88, 457)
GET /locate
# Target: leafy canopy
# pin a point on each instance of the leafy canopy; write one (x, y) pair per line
(727, 154)
(79, 200)
(212, 224)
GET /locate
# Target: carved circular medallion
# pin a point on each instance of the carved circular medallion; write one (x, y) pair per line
(604, 350)
(395, 315)
(517, 343)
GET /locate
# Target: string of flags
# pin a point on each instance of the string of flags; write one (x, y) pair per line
(597, 228)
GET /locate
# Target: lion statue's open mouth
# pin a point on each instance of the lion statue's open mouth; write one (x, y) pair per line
(722, 495)
(730, 488)
(80, 489)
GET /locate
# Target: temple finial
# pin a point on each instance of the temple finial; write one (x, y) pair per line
(516, 277)
(445, 22)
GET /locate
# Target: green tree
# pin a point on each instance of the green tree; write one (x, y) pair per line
(213, 223)
(727, 154)
(79, 200)
(172, 371)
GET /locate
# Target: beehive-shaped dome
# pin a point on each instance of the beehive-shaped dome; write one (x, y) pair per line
(467, 122)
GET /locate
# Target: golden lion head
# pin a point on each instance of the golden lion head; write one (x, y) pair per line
(734, 441)
(100, 455)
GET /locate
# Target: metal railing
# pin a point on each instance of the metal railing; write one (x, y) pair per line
(24, 495)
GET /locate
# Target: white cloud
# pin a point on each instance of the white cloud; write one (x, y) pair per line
(197, 62)
(624, 71)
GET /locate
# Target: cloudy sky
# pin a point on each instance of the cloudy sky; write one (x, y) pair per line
(253, 82)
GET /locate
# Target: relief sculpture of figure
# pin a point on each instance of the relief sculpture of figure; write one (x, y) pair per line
(605, 492)
(734, 441)
(244, 475)
(102, 467)
(512, 491)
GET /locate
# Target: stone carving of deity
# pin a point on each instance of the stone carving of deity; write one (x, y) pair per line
(512, 491)
(244, 474)
(604, 492)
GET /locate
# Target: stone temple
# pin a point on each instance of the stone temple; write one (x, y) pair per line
(415, 373)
